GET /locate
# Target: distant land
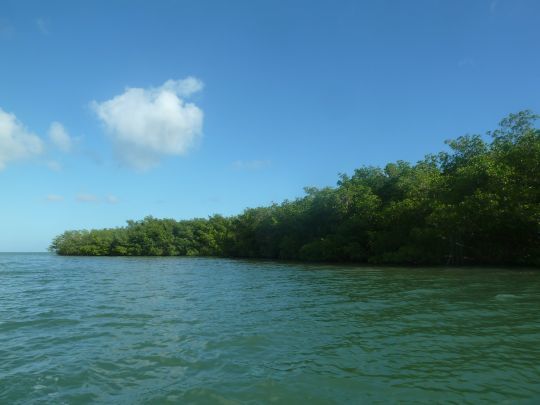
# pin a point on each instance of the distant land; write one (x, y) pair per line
(479, 203)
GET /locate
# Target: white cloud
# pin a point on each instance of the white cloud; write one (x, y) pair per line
(147, 124)
(251, 164)
(43, 26)
(16, 142)
(112, 199)
(55, 198)
(60, 137)
(183, 88)
(54, 166)
(86, 198)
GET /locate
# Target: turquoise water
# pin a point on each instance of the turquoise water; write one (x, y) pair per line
(191, 330)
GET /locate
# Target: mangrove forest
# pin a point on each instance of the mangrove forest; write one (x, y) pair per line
(478, 202)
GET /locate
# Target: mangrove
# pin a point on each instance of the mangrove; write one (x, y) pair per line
(478, 202)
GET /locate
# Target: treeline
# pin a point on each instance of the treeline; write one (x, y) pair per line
(477, 203)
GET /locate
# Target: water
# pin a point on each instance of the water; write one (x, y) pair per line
(190, 330)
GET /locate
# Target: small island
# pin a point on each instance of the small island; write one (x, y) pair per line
(478, 203)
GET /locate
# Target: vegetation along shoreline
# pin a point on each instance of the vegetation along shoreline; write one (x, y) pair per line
(478, 203)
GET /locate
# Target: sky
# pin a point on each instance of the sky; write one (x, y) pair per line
(115, 110)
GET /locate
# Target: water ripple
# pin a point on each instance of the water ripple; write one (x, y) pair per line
(193, 330)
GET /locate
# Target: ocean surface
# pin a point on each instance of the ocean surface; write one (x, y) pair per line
(80, 330)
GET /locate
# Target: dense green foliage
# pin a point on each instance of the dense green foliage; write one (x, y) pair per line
(477, 203)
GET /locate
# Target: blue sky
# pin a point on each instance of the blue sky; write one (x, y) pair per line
(114, 110)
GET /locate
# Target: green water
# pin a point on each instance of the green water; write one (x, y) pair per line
(184, 330)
